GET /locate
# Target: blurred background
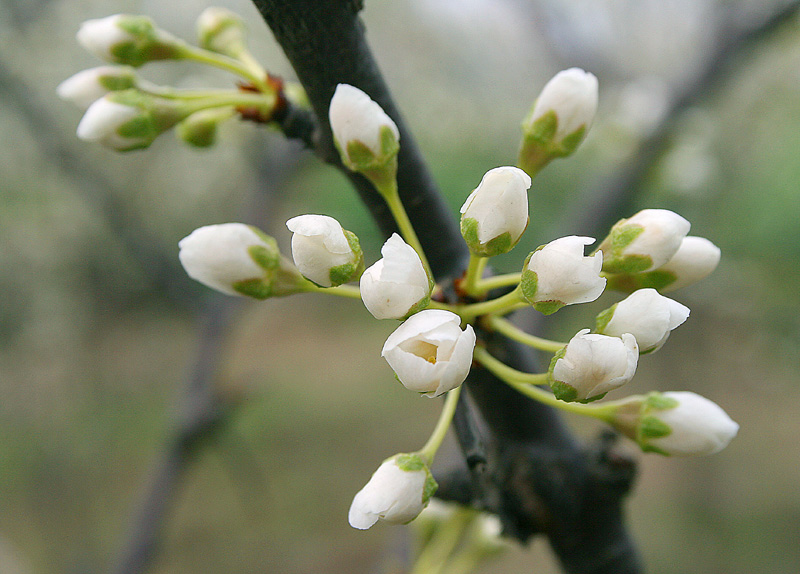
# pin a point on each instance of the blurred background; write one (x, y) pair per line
(100, 330)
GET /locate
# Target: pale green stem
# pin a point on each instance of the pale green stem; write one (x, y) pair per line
(466, 560)
(474, 272)
(513, 332)
(507, 280)
(348, 291)
(526, 383)
(230, 98)
(226, 63)
(434, 556)
(501, 306)
(390, 193)
(428, 452)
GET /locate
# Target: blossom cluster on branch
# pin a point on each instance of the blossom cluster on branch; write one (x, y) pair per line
(435, 346)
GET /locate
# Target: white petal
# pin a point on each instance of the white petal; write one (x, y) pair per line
(354, 116)
(699, 426)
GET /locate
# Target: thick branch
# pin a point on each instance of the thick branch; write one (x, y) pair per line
(324, 41)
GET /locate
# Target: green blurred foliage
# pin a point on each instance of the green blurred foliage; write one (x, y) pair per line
(98, 323)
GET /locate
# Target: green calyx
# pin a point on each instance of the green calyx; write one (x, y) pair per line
(357, 156)
(157, 115)
(496, 246)
(529, 286)
(615, 260)
(145, 45)
(123, 80)
(539, 146)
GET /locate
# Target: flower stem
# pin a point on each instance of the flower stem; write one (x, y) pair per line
(501, 306)
(526, 383)
(428, 452)
(483, 285)
(474, 272)
(348, 291)
(388, 189)
(245, 70)
(513, 332)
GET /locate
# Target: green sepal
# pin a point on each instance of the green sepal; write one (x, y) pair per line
(658, 401)
(548, 307)
(145, 46)
(542, 130)
(652, 427)
(603, 318)
(255, 288)
(118, 82)
(419, 306)
(268, 258)
(496, 246)
(613, 247)
(345, 273)
(409, 462)
(529, 280)
(571, 141)
(357, 156)
(564, 392)
(429, 489)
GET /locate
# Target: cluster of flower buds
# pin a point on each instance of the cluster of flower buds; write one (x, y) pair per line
(434, 347)
(125, 113)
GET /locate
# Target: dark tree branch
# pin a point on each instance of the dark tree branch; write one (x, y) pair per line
(538, 479)
(325, 43)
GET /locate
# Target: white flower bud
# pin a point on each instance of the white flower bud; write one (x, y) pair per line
(397, 284)
(88, 86)
(323, 251)
(696, 259)
(646, 315)
(366, 137)
(495, 215)
(644, 241)
(591, 365)
(558, 274)
(238, 259)
(697, 426)
(675, 423)
(221, 31)
(127, 39)
(128, 119)
(396, 493)
(430, 353)
(571, 95)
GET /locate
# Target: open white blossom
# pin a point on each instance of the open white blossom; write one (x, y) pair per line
(396, 493)
(322, 251)
(559, 274)
(696, 426)
(591, 365)
(643, 242)
(646, 315)
(397, 284)
(430, 353)
(88, 86)
(356, 120)
(572, 96)
(696, 259)
(496, 213)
